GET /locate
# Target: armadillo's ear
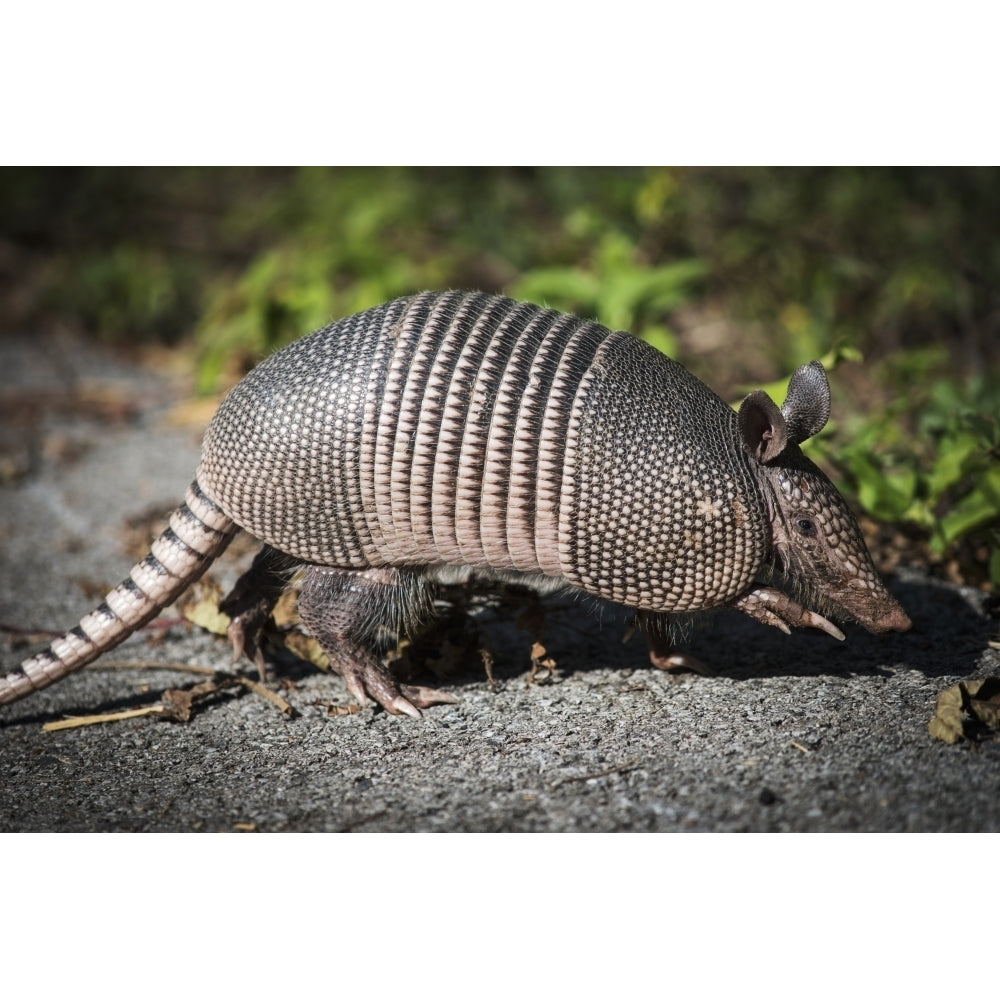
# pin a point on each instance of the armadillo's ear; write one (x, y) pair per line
(807, 404)
(762, 426)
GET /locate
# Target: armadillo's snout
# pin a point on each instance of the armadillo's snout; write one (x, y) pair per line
(895, 620)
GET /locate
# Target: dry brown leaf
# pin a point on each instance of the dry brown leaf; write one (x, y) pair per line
(543, 666)
(979, 699)
(947, 722)
(286, 611)
(200, 606)
(983, 701)
(337, 710)
(179, 704)
(267, 695)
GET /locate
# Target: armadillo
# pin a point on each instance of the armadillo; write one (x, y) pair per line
(451, 435)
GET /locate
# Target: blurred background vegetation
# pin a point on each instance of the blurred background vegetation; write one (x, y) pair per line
(891, 276)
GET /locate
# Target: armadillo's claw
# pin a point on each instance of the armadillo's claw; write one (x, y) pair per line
(246, 637)
(416, 696)
(367, 677)
(400, 706)
(770, 606)
(814, 620)
(768, 617)
(424, 697)
(356, 686)
(663, 657)
(237, 639)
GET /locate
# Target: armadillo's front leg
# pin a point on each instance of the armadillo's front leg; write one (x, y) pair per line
(662, 653)
(664, 656)
(250, 603)
(770, 606)
(346, 609)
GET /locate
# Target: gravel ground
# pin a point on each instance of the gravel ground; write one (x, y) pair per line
(795, 733)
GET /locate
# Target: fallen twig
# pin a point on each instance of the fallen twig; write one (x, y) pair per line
(41, 633)
(177, 705)
(284, 707)
(187, 668)
(93, 720)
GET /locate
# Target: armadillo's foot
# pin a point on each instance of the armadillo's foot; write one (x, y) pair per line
(663, 656)
(250, 603)
(245, 633)
(343, 609)
(366, 677)
(772, 607)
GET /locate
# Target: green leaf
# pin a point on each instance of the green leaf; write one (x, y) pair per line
(562, 287)
(951, 462)
(884, 492)
(975, 509)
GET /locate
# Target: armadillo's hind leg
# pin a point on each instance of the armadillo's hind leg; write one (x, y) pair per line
(250, 603)
(350, 612)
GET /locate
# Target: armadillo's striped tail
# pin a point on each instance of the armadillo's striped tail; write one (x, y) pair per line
(198, 532)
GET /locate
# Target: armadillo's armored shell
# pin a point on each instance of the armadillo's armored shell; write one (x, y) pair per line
(468, 429)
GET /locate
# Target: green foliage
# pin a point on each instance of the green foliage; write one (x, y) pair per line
(275, 299)
(349, 239)
(619, 290)
(883, 259)
(931, 457)
(831, 360)
(126, 293)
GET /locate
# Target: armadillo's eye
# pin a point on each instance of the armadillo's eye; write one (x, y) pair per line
(805, 526)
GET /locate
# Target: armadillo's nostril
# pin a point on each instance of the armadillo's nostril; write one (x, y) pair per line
(895, 621)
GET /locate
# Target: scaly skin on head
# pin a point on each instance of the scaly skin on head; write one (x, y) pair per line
(818, 543)
(816, 540)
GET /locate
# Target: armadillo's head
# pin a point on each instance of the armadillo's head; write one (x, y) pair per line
(816, 540)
